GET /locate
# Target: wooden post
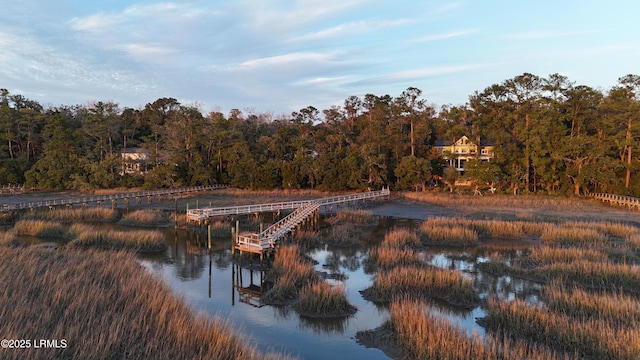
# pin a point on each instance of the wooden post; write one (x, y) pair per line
(176, 212)
(209, 275)
(209, 236)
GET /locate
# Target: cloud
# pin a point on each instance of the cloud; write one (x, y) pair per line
(348, 29)
(288, 59)
(540, 34)
(443, 36)
(415, 74)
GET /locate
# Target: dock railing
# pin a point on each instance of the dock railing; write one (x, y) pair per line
(266, 240)
(74, 200)
(629, 202)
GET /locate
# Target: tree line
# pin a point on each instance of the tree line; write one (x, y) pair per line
(549, 136)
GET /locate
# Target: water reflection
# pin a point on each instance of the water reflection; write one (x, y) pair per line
(249, 285)
(207, 278)
(324, 326)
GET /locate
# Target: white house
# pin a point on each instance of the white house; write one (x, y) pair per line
(134, 161)
(459, 152)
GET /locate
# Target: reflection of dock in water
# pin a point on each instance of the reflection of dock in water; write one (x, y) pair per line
(250, 293)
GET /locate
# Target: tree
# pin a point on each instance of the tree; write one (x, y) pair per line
(413, 173)
(622, 106)
(450, 177)
(482, 172)
(62, 163)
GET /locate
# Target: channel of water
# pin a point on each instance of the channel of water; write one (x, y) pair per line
(205, 280)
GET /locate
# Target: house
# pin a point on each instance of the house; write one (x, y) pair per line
(462, 150)
(134, 161)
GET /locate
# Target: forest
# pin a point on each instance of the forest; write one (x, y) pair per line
(549, 135)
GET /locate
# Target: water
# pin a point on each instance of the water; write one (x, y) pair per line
(205, 281)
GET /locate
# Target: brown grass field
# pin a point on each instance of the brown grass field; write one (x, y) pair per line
(105, 306)
(583, 255)
(296, 282)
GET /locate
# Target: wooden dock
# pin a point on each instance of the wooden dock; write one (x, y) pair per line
(265, 241)
(111, 198)
(630, 202)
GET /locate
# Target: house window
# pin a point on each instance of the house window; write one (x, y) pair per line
(485, 152)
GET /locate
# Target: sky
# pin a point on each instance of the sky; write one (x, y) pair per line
(279, 56)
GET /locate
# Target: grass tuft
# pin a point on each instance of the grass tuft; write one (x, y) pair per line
(146, 217)
(106, 306)
(40, 228)
(73, 214)
(320, 299)
(138, 240)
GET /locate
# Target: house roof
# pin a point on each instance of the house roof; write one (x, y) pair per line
(134, 151)
(445, 142)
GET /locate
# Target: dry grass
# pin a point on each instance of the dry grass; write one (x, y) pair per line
(386, 257)
(591, 339)
(422, 283)
(73, 214)
(221, 228)
(401, 237)
(40, 228)
(594, 275)
(454, 232)
(424, 335)
(343, 235)
(138, 240)
(106, 306)
(289, 274)
(498, 200)
(8, 238)
(146, 217)
(545, 255)
(360, 217)
(615, 308)
(622, 231)
(320, 299)
(573, 236)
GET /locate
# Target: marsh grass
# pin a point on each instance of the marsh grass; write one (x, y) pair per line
(400, 238)
(40, 228)
(107, 307)
(321, 299)
(423, 283)
(87, 236)
(289, 273)
(343, 235)
(546, 255)
(593, 275)
(423, 334)
(221, 228)
(359, 217)
(613, 307)
(8, 238)
(73, 214)
(499, 200)
(618, 230)
(573, 236)
(387, 257)
(592, 339)
(145, 217)
(449, 233)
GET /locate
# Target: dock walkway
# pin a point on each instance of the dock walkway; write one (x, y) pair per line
(620, 200)
(113, 198)
(267, 239)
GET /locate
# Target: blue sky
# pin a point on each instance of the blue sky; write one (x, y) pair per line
(283, 55)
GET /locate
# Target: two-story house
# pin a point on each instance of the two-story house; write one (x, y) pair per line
(134, 161)
(462, 150)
